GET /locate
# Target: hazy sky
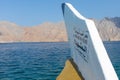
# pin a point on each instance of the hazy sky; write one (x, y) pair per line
(34, 12)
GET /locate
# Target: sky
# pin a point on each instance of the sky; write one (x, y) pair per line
(34, 12)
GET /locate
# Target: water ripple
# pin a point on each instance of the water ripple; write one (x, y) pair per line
(41, 61)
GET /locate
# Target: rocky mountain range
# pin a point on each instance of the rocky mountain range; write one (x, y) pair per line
(46, 32)
(109, 30)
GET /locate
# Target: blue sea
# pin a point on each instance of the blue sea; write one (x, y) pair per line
(42, 61)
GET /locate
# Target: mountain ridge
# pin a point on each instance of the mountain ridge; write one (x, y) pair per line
(108, 28)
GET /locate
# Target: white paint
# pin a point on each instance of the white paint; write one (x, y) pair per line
(87, 49)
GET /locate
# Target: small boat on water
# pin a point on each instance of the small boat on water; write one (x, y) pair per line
(90, 60)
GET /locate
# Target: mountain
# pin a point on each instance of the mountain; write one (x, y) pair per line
(109, 30)
(46, 32)
(116, 20)
(10, 32)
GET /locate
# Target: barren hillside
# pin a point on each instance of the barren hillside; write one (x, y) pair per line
(109, 30)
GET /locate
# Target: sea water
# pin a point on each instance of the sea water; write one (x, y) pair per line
(42, 61)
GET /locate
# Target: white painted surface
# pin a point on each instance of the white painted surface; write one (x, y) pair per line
(87, 49)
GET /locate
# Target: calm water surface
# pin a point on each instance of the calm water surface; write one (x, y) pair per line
(42, 61)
